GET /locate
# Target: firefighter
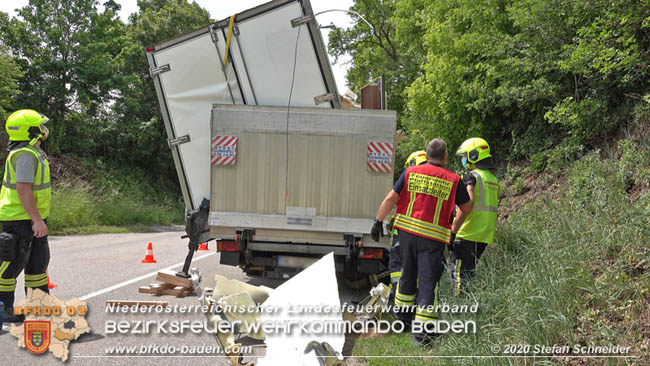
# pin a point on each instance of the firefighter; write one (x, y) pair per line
(425, 196)
(395, 261)
(478, 229)
(24, 207)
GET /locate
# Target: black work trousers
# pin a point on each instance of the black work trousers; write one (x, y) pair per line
(395, 262)
(33, 256)
(462, 262)
(423, 263)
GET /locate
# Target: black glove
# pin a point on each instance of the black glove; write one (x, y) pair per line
(389, 226)
(453, 238)
(376, 230)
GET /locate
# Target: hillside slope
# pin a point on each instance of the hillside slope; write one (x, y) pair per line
(570, 266)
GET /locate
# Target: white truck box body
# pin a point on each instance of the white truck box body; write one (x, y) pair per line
(300, 174)
(189, 76)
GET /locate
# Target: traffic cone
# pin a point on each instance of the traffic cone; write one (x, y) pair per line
(148, 258)
(203, 247)
(50, 284)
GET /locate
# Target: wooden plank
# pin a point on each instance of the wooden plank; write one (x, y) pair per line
(176, 291)
(154, 288)
(147, 290)
(170, 278)
(138, 304)
(165, 289)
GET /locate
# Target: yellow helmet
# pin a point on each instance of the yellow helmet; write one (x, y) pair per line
(476, 149)
(25, 125)
(416, 158)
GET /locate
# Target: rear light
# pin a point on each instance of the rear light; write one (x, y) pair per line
(227, 246)
(372, 253)
(151, 49)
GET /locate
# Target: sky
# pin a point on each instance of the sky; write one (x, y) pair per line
(221, 9)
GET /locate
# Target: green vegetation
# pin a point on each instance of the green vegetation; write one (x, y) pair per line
(540, 80)
(87, 71)
(117, 202)
(9, 73)
(560, 90)
(568, 268)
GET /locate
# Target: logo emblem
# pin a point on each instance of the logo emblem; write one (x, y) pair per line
(37, 336)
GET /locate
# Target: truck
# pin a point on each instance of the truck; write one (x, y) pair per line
(270, 166)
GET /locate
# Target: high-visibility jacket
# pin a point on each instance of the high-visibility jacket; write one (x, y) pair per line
(481, 222)
(427, 201)
(11, 208)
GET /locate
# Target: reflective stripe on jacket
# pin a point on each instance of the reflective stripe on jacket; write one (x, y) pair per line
(427, 201)
(481, 222)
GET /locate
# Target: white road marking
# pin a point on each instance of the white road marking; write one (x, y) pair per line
(133, 280)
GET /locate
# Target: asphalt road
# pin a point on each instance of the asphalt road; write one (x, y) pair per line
(97, 268)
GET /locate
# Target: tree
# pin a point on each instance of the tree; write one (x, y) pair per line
(543, 80)
(66, 50)
(138, 135)
(390, 48)
(10, 73)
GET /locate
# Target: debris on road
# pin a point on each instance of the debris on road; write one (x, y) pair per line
(171, 285)
(309, 349)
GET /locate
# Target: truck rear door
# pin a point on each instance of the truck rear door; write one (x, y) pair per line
(194, 71)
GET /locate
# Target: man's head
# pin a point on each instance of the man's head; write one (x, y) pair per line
(437, 151)
(473, 152)
(27, 125)
(416, 158)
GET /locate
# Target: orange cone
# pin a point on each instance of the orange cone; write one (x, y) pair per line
(148, 258)
(203, 247)
(50, 284)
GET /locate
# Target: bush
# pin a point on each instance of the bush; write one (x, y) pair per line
(115, 198)
(565, 271)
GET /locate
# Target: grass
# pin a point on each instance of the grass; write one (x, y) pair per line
(102, 229)
(573, 269)
(117, 202)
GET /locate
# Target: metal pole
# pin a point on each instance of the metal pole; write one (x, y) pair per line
(383, 93)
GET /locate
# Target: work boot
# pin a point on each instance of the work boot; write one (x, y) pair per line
(402, 316)
(9, 317)
(419, 339)
(424, 339)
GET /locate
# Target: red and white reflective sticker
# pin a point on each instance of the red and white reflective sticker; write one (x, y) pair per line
(380, 156)
(224, 150)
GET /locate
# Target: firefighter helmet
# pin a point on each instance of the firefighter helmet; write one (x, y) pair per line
(476, 149)
(25, 125)
(416, 158)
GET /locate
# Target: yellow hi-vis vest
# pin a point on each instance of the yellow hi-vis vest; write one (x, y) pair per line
(11, 209)
(481, 222)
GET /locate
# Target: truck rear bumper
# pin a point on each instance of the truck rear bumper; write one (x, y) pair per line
(292, 257)
(298, 248)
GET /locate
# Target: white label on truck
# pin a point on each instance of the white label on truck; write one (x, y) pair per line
(300, 215)
(380, 156)
(224, 150)
(301, 211)
(214, 219)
